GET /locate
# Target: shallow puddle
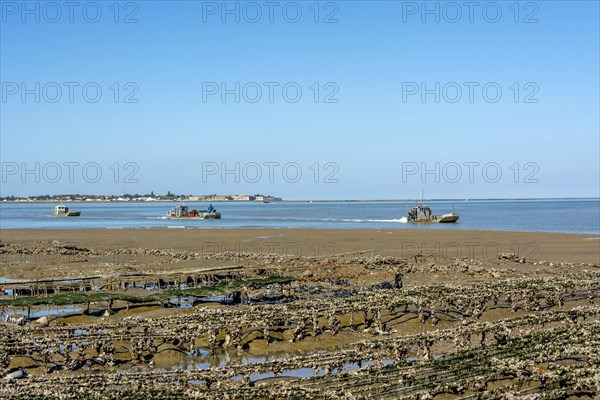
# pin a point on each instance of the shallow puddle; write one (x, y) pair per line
(50, 311)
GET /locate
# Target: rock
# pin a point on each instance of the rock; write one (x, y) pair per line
(74, 365)
(508, 256)
(43, 321)
(17, 320)
(19, 373)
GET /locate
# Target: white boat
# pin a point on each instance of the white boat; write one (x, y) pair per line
(447, 218)
(182, 212)
(63, 211)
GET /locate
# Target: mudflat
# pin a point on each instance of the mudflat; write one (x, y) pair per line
(298, 313)
(554, 247)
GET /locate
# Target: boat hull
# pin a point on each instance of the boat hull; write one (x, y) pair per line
(442, 219)
(68, 214)
(447, 218)
(201, 216)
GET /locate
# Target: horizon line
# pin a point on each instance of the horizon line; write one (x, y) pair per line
(345, 200)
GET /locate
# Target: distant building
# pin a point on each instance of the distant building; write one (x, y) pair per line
(212, 197)
(243, 197)
(271, 198)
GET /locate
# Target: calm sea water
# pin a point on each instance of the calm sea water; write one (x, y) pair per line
(570, 216)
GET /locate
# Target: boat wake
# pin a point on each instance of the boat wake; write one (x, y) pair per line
(401, 220)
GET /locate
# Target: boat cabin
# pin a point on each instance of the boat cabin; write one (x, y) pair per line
(61, 210)
(180, 211)
(419, 213)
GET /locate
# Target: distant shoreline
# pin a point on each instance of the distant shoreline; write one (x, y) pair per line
(294, 201)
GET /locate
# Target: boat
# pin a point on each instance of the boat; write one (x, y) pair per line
(62, 211)
(182, 212)
(422, 213)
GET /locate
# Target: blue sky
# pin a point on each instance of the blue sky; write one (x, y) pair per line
(365, 143)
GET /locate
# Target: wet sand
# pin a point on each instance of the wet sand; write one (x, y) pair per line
(554, 247)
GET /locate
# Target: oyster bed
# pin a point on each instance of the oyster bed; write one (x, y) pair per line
(253, 325)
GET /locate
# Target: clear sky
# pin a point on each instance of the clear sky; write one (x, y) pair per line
(388, 89)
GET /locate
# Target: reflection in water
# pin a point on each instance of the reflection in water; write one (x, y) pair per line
(50, 311)
(201, 358)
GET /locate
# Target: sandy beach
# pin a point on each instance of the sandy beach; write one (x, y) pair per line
(436, 245)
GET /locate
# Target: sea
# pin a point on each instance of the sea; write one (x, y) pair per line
(551, 215)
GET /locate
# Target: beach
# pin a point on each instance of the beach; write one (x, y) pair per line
(295, 312)
(437, 245)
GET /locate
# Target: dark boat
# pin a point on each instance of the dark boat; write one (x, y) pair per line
(182, 212)
(422, 213)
